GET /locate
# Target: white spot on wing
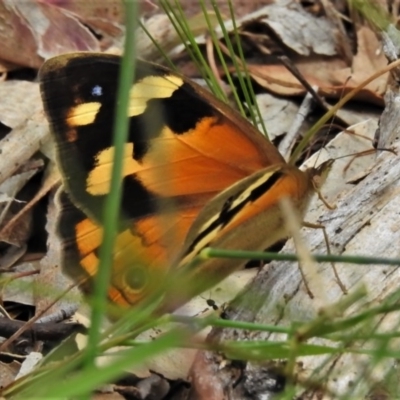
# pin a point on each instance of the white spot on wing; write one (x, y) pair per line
(97, 91)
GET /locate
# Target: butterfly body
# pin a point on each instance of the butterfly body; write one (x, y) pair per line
(186, 152)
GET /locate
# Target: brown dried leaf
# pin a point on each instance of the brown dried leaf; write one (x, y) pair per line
(8, 372)
(368, 60)
(330, 75)
(105, 17)
(16, 35)
(42, 30)
(45, 28)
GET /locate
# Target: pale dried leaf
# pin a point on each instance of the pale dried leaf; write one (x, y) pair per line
(277, 114)
(20, 100)
(300, 31)
(161, 29)
(32, 133)
(30, 362)
(163, 32)
(343, 144)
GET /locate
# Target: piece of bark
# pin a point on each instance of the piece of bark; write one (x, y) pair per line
(365, 222)
(39, 331)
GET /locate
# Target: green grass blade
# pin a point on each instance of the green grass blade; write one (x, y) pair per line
(111, 211)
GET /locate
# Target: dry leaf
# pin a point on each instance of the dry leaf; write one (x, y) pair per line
(8, 372)
(299, 30)
(277, 114)
(42, 30)
(330, 75)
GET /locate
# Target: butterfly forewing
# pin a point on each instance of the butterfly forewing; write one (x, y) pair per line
(178, 138)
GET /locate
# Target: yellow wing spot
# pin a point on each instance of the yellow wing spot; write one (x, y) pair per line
(151, 87)
(99, 179)
(83, 114)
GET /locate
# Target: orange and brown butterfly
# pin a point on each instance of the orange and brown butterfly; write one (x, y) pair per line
(196, 174)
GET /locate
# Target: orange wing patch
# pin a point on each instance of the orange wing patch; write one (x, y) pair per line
(146, 246)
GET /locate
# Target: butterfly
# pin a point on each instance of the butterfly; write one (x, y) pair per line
(196, 174)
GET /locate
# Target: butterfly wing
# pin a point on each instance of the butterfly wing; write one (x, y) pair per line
(184, 147)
